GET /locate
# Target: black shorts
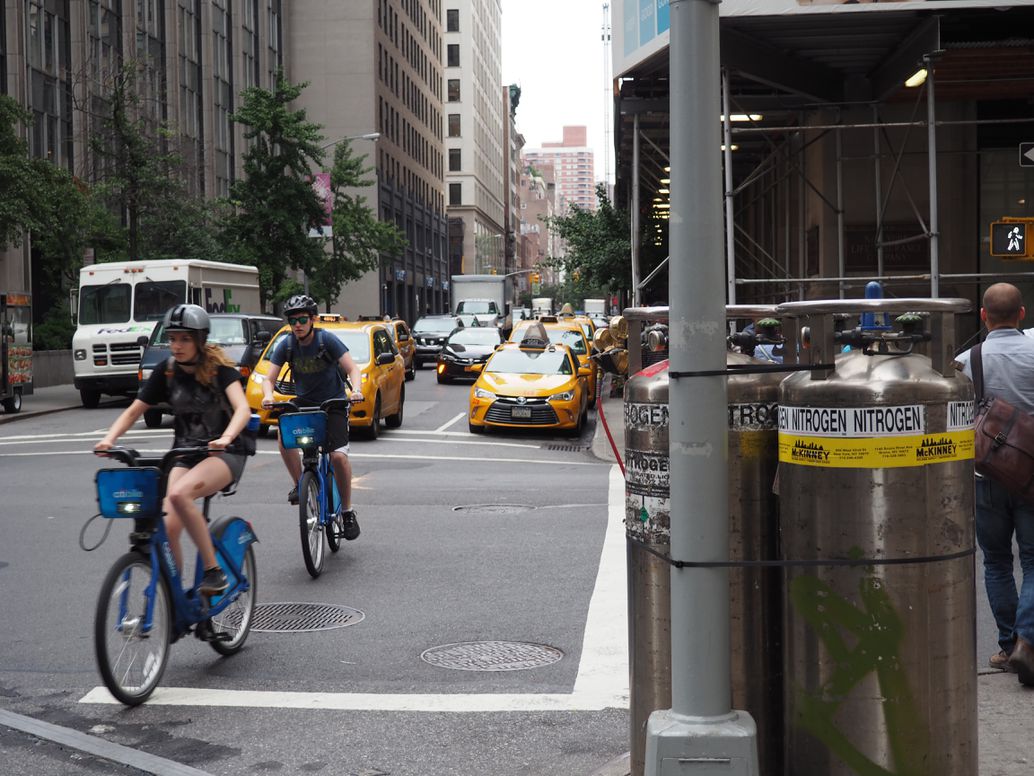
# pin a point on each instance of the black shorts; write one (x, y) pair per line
(337, 427)
(234, 461)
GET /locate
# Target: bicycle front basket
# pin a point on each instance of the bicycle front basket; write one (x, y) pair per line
(132, 492)
(303, 429)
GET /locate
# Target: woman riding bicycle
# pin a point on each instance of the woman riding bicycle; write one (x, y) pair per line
(204, 391)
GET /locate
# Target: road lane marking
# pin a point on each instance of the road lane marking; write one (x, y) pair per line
(603, 668)
(601, 681)
(394, 438)
(342, 701)
(80, 434)
(381, 456)
(449, 423)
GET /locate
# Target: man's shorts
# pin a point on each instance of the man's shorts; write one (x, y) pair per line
(337, 426)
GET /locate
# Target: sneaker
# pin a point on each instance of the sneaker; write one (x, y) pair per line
(351, 525)
(292, 495)
(213, 582)
(1000, 660)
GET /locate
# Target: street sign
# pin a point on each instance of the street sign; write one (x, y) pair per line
(1026, 154)
(1011, 238)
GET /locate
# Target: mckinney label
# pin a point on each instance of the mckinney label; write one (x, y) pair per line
(934, 448)
(852, 421)
(808, 451)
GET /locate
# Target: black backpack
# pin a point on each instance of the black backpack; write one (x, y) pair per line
(247, 437)
(321, 353)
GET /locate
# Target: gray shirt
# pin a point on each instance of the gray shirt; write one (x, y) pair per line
(1008, 359)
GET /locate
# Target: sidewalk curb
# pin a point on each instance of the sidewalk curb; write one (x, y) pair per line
(11, 418)
(619, 766)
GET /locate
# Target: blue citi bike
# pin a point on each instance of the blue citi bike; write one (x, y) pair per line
(320, 513)
(143, 607)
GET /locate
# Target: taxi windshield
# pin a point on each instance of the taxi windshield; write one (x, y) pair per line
(530, 362)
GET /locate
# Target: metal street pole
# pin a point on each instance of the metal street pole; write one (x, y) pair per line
(700, 731)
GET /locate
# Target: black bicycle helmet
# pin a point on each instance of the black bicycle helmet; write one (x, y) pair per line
(301, 303)
(189, 317)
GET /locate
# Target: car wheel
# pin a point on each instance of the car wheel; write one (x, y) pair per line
(411, 372)
(263, 430)
(443, 379)
(475, 429)
(14, 403)
(152, 418)
(374, 430)
(90, 398)
(395, 421)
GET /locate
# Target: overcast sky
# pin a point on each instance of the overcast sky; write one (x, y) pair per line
(553, 50)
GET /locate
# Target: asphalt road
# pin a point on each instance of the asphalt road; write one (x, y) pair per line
(464, 539)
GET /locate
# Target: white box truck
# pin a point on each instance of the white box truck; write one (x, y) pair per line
(119, 303)
(488, 298)
(595, 306)
(541, 305)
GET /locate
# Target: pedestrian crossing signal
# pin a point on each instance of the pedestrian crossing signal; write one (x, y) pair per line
(1011, 238)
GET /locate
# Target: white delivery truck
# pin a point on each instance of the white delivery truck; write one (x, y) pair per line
(118, 304)
(487, 297)
(541, 305)
(595, 306)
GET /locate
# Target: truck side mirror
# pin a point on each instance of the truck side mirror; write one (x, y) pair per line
(262, 336)
(142, 340)
(73, 305)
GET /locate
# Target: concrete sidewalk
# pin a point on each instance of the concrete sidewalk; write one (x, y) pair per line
(56, 398)
(1006, 740)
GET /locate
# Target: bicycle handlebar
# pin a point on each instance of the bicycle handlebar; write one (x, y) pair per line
(131, 457)
(281, 407)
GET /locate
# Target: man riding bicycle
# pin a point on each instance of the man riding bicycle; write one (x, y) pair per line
(317, 360)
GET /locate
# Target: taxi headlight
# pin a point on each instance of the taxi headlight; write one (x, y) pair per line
(481, 393)
(145, 374)
(565, 396)
(257, 378)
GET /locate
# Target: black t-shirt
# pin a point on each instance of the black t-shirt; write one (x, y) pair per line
(202, 412)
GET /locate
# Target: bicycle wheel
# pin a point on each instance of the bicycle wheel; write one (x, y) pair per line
(309, 523)
(235, 619)
(131, 657)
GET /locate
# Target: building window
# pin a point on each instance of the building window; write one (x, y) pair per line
(454, 125)
(452, 20)
(454, 90)
(455, 160)
(455, 194)
(454, 55)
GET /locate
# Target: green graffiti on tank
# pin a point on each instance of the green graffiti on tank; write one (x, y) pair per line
(860, 641)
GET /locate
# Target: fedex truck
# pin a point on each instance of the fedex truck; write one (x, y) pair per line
(118, 304)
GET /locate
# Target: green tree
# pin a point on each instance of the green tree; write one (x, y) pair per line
(599, 255)
(22, 199)
(274, 203)
(145, 182)
(359, 238)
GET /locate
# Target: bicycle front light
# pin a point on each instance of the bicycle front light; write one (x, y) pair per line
(128, 507)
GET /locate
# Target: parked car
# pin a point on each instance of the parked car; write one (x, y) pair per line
(241, 336)
(372, 346)
(465, 348)
(431, 333)
(406, 346)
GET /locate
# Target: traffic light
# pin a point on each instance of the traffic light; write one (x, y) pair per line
(1011, 238)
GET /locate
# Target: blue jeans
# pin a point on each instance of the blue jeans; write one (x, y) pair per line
(998, 516)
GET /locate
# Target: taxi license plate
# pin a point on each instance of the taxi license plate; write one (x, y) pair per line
(520, 412)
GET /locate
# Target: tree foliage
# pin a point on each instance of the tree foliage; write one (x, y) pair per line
(274, 202)
(358, 238)
(598, 256)
(21, 201)
(143, 178)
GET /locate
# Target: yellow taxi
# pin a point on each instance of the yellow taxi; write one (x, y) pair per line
(406, 345)
(372, 346)
(530, 384)
(565, 331)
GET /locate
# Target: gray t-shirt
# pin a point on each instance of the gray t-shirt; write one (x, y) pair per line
(314, 370)
(1008, 360)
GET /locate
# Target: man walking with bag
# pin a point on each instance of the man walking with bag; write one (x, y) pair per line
(1007, 360)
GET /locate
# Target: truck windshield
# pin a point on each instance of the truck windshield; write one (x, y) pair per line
(104, 304)
(223, 331)
(477, 307)
(154, 298)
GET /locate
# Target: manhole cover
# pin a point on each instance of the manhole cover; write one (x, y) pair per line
(492, 656)
(494, 509)
(566, 448)
(300, 618)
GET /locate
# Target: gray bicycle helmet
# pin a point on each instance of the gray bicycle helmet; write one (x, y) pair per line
(301, 303)
(191, 318)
